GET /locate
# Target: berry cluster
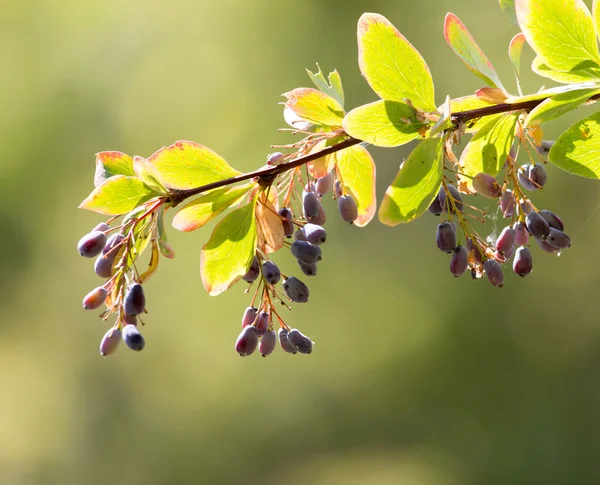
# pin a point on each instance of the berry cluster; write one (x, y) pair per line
(487, 256)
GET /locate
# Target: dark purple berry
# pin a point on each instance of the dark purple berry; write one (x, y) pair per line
(299, 235)
(537, 225)
(95, 298)
(133, 338)
(285, 343)
(271, 272)
(438, 204)
(302, 343)
(288, 225)
(103, 227)
(545, 147)
(348, 209)
(537, 174)
(253, 272)
(103, 265)
(309, 269)
(314, 234)
(544, 246)
(249, 316)
(459, 260)
(558, 239)
(247, 341)
(507, 203)
(446, 237)
(306, 252)
(523, 262)
(494, 272)
(91, 244)
(112, 242)
(135, 300)
(552, 219)
(295, 290)
(267, 343)
(310, 205)
(458, 200)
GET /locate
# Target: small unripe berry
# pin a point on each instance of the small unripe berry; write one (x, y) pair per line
(249, 316)
(276, 158)
(110, 341)
(91, 244)
(507, 203)
(95, 298)
(267, 343)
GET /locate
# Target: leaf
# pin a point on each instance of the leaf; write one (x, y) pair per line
(118, 195)
(464, 46)
(152, 265)
(314, 106)
(321, 166)
(547, 93)
(596, 15)
(416, 184)
(509, 9)
(109, 164)
(491, 95)
(577, 150)
(148, 174)
(141, 237)
(573, 76)
(226, 257)
(163, 244)
(489, 147)
(561, 32)
(515, 48)
(333, 88)
(270, 226)
(195, 214)
(186, 164)
(558, 105)
(383, 123)
(391, 65)
(467, 103)
(357, 171)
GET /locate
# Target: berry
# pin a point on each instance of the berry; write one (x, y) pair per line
(306, 252)
(558, 239)
(320, 218)
(446, 237)
(295, 289)
(537, 225)
(288, 226)
(494, 272)
(95, 298)
(545, 147)
(532, 177)
(91, 244)
(348, 209)
(438, 204)
(249, 316)
(299, 235)
(521, 234)
(459, 260)
(310, 205)
(247, 341)
(552, 219)
(506, 241)
(337, 189)
(314, 234)
(523, 262)
(133, 338)
(276, 158)
(267, 343)
(507, 203)
(103, 227)
(486, 185)
(271, 272)
(110, 341)
(544, 246)
(324, 185)
(135, 300)
(309, 269)
(112, 242)
(103, 265)
(458, 200)
(285, 343)
(302, 343)
(262, 322)
(253, 272)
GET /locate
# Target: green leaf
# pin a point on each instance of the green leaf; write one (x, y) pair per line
(577, 150)
(464, 46)
(509, 9)
(356, 168)
(558, 105)
(163, 244)
(561, 32)
(391, 65)
(515, 48)
(333, 88)
(468, 103)
(573, 76)
(226, 257)
(383, 123)
(596, 15)
(489, 147)
(148, 174)
(315, 106)
(416, 184)
(118, 195)
(198, 212)
(109, 164)
(547, 93)
(186, 164)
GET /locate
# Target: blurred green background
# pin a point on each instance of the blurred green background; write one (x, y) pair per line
(416, 378)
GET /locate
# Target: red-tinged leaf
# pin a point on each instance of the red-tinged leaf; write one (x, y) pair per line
(315, 106)
(152, 265)
(322, 166)
(515, 48)
(163, 244)
(109, 164)
(491, 95)
(186, 164)
(269, 225)
(464, 46)
(118, 195)
(198, 212)
(391, 65)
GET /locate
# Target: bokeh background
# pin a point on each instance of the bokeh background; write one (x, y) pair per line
(416, 377)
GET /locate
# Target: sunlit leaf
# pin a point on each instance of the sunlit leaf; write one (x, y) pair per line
(269, 225)
(416, 184)
(577, 150)
(109, 164)
(357, 171)
(147, 173)
(558, 105)
(383, 123)
(561, 32)
(118, 195)
(315, 106)
(186, 164)
(515, 48)
(489, 147)
(596, 15)
(322, 166)
(332, 86)
(152, 265)
(509, 8)
(226, 257)
(573, 76)
(547, 93)
(391, 65)
(491, 95)
(201, 210)
(163, 244)
(464, 46)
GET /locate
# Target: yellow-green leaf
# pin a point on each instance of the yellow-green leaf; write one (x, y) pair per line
(416, 184)
(226, 257)
(357, 171)
(383, 123)
(163, 244)
(509, 9)
(109, 164)
(561, 32)
(570, 77)
(118, 195)
(315, 106)
(515, 48)
(558, 105)
(198, 212)
(577, 150)
(391, 65)
(332, 86)
(186, 164)
(148, 174)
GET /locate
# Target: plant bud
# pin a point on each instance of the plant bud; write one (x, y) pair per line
(494, 272)
(310, 205)
(267, 343)
(314, 233)
(521, 234)
(523, 262)
(459, 261)
(271, 272)
(262, 322)
(537, 225)
(558, 239)
(95, 298)
(295, 290)
(276, 158)
(306, 252)
(91, 244)
(249, 316)
(324, 185)
(247, 341)
(458, 200)
(438, 204)
(507, 203)
(302, 343)
(253, 272)
(446, 237)
(486, 185)
(552, 219)
(133, 338)
(110, 341)
(309, 269)
(135, 300)
(348, 209)
(506, 241)
(285, 343)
